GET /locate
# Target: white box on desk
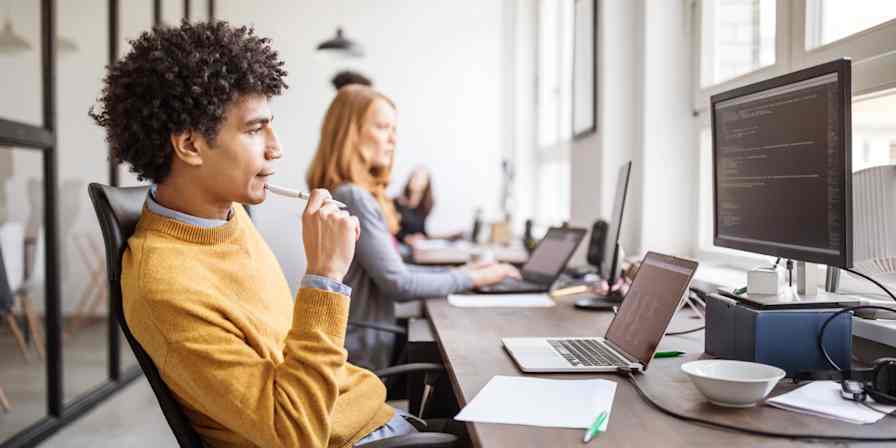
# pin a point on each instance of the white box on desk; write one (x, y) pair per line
(768, 280)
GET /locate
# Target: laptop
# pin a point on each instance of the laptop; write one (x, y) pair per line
(634, 334)
(544, 266)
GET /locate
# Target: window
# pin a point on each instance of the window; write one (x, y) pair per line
(738, 37)
(831, 20)
(873, 130)
(553, 110)
(739, 42)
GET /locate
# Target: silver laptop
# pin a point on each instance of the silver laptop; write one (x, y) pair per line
(634, 334)
(544, 266)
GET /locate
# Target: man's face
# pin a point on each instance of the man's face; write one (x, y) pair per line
(237, 164)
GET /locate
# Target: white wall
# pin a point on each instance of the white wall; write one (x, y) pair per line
(644, 109)
(670, 152)
(596, 160)
(442, 64)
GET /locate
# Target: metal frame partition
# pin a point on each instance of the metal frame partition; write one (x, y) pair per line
(44, 139)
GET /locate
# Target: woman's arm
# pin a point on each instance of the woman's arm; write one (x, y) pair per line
(376, 254)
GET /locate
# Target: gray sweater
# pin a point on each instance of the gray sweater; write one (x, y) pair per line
(379, 278)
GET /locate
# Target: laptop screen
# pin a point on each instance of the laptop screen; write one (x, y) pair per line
(552, 254)
(650, 304)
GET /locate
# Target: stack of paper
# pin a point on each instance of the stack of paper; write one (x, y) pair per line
(541, 402)
(500, 300)
(823, 399)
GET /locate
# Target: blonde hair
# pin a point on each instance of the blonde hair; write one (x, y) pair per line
(338, 159)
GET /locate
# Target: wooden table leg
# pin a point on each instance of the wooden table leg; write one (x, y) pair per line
(34, 325)
(4, 403)
(20, 338)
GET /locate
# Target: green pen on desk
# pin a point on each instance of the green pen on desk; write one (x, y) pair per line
(673, 354)
(595, 427)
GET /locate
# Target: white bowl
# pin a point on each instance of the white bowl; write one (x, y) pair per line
(738, 384)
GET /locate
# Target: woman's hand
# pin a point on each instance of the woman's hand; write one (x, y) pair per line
(413, 238)
(492, 274)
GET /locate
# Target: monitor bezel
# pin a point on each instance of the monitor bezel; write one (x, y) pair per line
(842, 67)
(611, 256)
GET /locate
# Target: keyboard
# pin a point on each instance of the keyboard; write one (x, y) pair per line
(514, 285)
(586, 352)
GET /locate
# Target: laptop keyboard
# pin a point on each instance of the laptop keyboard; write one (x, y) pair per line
(512, 284)
(586, 352)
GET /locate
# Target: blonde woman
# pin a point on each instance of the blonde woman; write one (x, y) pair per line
(353, 161)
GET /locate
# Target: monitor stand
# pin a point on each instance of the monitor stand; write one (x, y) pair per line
(799, 292)
(601, 302)
(612, 299)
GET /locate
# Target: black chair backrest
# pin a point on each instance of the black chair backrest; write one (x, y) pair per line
(6, 295)
(118, 210)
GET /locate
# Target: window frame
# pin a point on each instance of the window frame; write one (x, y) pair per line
(873, 52)
(556, 150)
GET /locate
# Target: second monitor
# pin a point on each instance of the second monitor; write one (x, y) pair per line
(611, 260)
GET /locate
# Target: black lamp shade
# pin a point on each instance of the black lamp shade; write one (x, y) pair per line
(341, 44)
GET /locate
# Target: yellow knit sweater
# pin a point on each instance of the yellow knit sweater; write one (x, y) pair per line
(250, 367)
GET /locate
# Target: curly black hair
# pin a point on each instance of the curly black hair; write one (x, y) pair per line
(176, 79)
(348, 77)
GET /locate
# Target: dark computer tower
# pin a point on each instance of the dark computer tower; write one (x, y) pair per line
(784, 338)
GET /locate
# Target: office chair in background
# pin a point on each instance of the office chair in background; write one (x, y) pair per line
(20, 298)
(6, 304)
(118, 210)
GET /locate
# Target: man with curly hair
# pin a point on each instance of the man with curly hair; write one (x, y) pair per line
(188, 109)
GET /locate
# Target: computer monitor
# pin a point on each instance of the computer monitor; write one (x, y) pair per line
(781, 166)
(610, 265)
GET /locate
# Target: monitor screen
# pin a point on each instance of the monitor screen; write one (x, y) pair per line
(650, 304)
(781, 156)
(552, 253)
(610, 264)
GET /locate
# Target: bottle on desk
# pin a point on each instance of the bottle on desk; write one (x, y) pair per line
(477, 226)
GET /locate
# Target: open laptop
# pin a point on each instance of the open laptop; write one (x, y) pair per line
(544, 266)
(634, 334)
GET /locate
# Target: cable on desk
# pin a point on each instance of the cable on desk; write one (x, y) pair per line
(888, 414)
(757, 432)
(679, 333)
(853, 271)
(701, 296)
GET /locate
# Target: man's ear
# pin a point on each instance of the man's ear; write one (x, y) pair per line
(189, 147)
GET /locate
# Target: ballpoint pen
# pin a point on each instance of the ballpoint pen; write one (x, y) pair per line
(298, 194)
(595, 427)
(673, 354)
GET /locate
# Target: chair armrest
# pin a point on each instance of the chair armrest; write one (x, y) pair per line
(418, 440)
(388, 328)
(416, 367)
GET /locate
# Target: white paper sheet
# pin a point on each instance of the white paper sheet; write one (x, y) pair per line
(500, 300)
(823, 399)
(541, 402)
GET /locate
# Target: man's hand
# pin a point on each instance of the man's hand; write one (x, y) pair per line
(492, 274)
(329, 235)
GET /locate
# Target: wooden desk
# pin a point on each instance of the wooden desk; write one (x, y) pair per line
(469, 340)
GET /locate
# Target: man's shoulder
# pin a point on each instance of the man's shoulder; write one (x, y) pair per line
(159, 260)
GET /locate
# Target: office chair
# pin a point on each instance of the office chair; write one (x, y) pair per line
(118, 210)
(6, 304)
(8, 301)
